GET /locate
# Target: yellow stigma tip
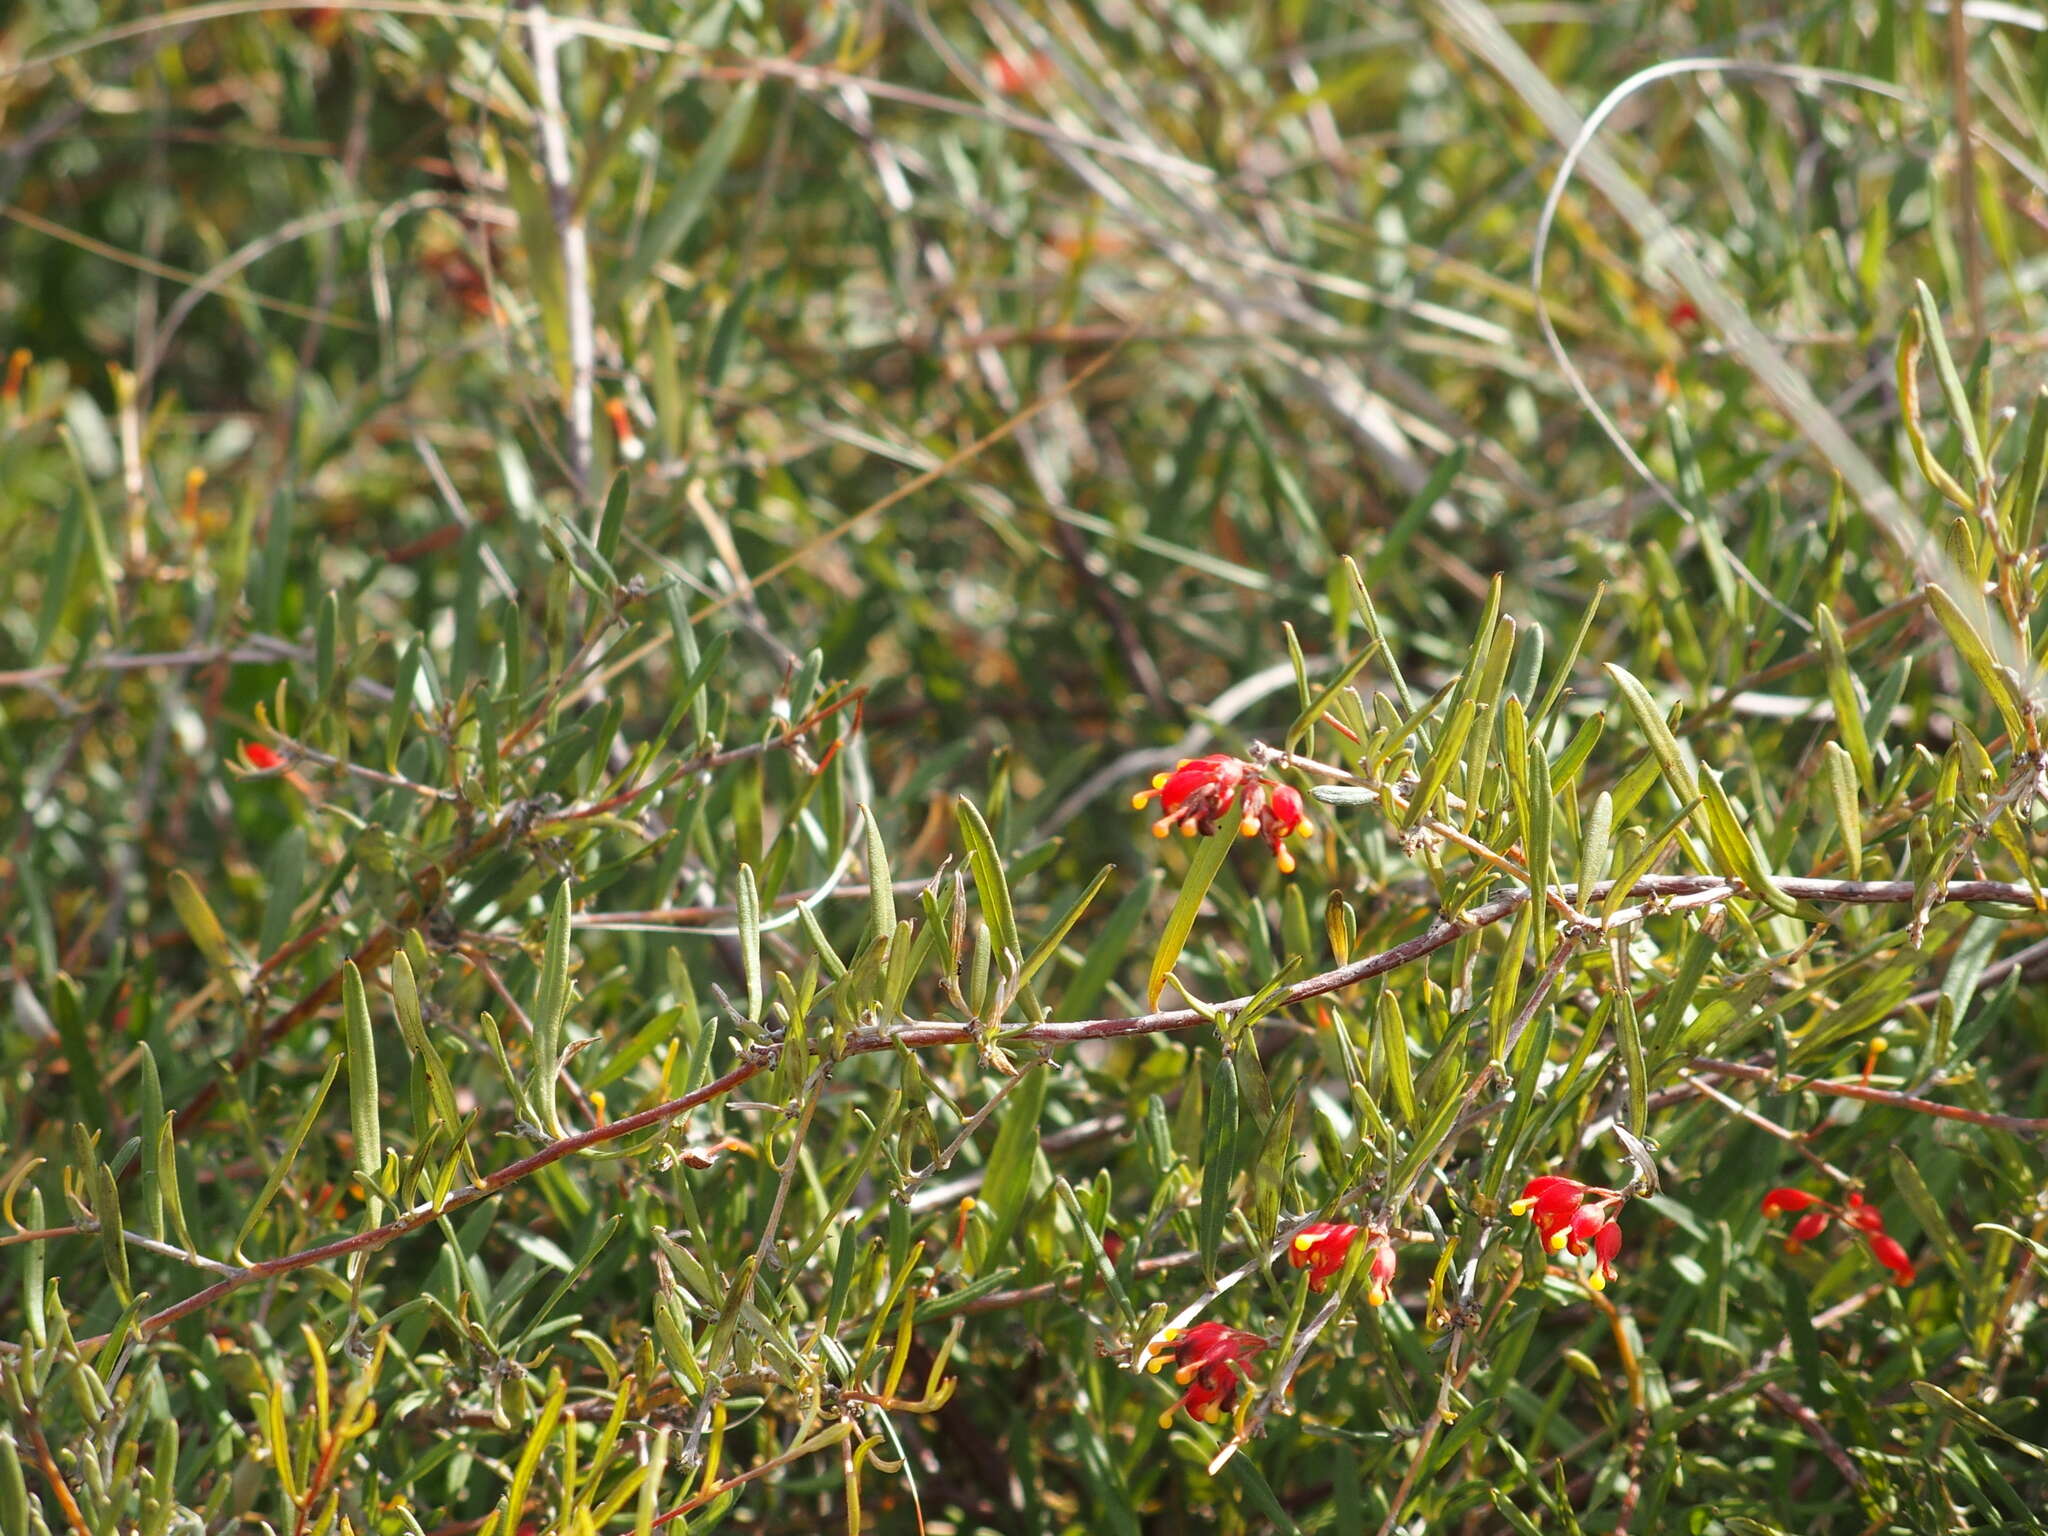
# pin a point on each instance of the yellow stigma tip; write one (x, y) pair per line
(1141, 799)
(1376, 1297)
(1304, 829)
(1304, 1242)
(1249, 827)
(1159, 780)
(1187, 829)
(1161, 827)
(1166, 1419)
(1596, 1283)
(1184, 1375)
(1286, 862)
(1520, 1207)
(1557, 1242)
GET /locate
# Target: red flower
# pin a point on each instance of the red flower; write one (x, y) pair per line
(1379, 1272)
(1886, 1251)
(1684, 314)
(257, 755)
(1017, 77)
(1206, 1362)
(1321, 1248)
(1857, 1213)
(1202, 791)
(1575, 1218)
(1782, 1200)
(1806, 1229)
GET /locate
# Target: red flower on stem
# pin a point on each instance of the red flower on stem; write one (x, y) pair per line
(1858, 1214)
(1322, 1248)
(1575, 1218)
(1207, 1363)
(258, 756)
(1199, 794)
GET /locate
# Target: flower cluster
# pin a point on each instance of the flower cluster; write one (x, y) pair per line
(1206, 1363)
(1575, 1218)
(1322, 1247)
(1858, 1215)
(1201, 792)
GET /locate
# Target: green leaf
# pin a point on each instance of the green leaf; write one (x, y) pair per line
(1976, 655)
(749, 925)
(881, 884)
(106, 1210)
(550, 1007)
(989, 882)
(685, 203)
(1927, 1211)
(1952, 390)
(1663, 745)
(1219, 1160)
(294, 1140)
(361, 1047)
(1209, 854)
(1013, 1161)
(208, 937)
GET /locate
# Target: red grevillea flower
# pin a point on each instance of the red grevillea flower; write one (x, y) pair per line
(1321, 1248)
(1858, 1214)
(257, 755)
(1202, 792)
(1207, 1363)
(1575, 1218)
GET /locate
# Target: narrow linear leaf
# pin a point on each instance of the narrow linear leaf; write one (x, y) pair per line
(361, 1047)
(1210, 852)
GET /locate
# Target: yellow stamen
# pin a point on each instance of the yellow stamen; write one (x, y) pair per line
(1286, 862)
(1557, 1241)
(1161, 827)
(1520, 1207)
(1185, 1374)
(1187, 829)
(1159, 780)
(1166, 1419)
(1141, 799)
(1249, 827)
(1304, 1242)
(1374, 1296)
(1596, 1281)
(1304, 829)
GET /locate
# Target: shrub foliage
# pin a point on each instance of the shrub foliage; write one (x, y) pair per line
(599, 610)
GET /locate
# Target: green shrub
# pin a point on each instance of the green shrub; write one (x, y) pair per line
(592, 603)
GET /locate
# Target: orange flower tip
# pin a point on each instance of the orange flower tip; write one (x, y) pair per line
(1166, 1419)
(1141, 799)
(1286, 862)
(1374, 1296)
(1596, 1282)
(1558, 1240)
(1161, 827)
(1213, 1414)
(1159, 780)
(1249, 827)
(1520, 1207)
(1187, 829)
(1304, 829)
(1185, 1374)
(1156, 1364)
(1303, 1243)
(195, 477)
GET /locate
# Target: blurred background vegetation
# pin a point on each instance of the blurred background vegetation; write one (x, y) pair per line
(630, 561)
